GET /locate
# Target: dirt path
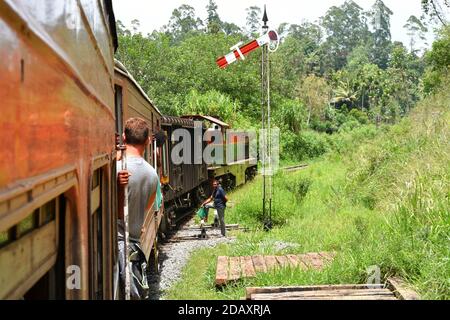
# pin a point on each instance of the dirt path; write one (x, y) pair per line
(175, 253)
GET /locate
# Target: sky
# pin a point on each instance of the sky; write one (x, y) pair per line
(153, 14)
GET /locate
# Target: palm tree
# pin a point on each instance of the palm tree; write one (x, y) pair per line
(344, 94)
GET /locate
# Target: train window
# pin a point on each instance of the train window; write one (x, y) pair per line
(48, 212)
(165, 160)
(5, 238)
(28, 224)
(39, 217)
(119, 109)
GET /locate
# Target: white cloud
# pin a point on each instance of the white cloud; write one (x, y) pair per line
(154, 14)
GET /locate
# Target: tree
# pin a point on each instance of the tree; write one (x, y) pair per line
(254, 16)
(183, 22)
(213, 22)
(231, 28)
(436, 10)
(416, 30)
(346, 28)
(438, 61)
(315, 93)
(380, 18)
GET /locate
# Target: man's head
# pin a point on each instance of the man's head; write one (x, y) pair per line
(216, 184)
(137, 132)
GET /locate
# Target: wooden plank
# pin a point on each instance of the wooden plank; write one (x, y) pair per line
(271, 262)
(248, 270)
(400, 290)
(235, 269)
(264, 290)
(335, 293)
(259, 263)
(148, 235)
(329, 293)
(283, 261)
(222, 271)
(312, 260)
(266, 297)
(293, 260)
(327, 256)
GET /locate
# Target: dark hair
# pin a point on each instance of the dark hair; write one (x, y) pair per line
(136, 131)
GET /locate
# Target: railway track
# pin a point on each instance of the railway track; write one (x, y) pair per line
(295, 168)
(175, 251)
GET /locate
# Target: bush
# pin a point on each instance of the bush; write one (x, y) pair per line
(305, 145)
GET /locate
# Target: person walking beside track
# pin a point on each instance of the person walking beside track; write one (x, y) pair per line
(142, 181)
(219, 198)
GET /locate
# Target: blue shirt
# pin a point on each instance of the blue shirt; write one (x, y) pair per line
(219, 198)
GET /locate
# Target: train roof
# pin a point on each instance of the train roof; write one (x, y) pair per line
(120, 68)
(208, 118)
(171, 121)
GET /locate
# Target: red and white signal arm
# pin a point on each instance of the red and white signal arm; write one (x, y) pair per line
(270, 39)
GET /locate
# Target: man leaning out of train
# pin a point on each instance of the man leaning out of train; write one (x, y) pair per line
(142, 181)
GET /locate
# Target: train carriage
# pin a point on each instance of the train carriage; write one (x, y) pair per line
(184, 183)
(57, 220)
(132, 101)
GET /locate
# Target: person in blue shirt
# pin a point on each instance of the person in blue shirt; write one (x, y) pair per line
(220, 200)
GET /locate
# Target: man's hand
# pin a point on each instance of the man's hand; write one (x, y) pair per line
(123, 178)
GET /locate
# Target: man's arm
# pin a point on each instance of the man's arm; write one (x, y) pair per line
(207, 201)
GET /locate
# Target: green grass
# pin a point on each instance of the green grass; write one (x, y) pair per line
(384, 202)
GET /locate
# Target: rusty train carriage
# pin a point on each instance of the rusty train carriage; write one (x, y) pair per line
(57, 172)
(232, 172)
(184, 185)
(63, 99)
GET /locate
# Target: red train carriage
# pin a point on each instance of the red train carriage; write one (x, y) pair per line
(57, 167)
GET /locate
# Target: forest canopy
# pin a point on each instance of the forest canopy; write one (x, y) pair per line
(338, 74)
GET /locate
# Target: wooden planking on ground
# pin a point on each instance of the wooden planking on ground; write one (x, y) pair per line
(293, 260)
(283, 261)
(395, 289)
(271, 262)
(334, 293)
(328, 256)
(340, 294)
(313, 260)
(259, 264)
(400, 289)
(261, 297)
(268, 290)
(247, 268)
(222, 271)
(235, 269)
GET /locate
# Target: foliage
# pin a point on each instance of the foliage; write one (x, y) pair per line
(438, 61)
(381, 203)
(324, 76)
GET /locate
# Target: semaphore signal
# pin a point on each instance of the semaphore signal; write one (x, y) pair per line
(271, 39)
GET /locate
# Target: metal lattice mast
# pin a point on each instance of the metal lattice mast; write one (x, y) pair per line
(266, 131)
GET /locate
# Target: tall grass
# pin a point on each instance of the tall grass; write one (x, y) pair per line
(384, 202)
